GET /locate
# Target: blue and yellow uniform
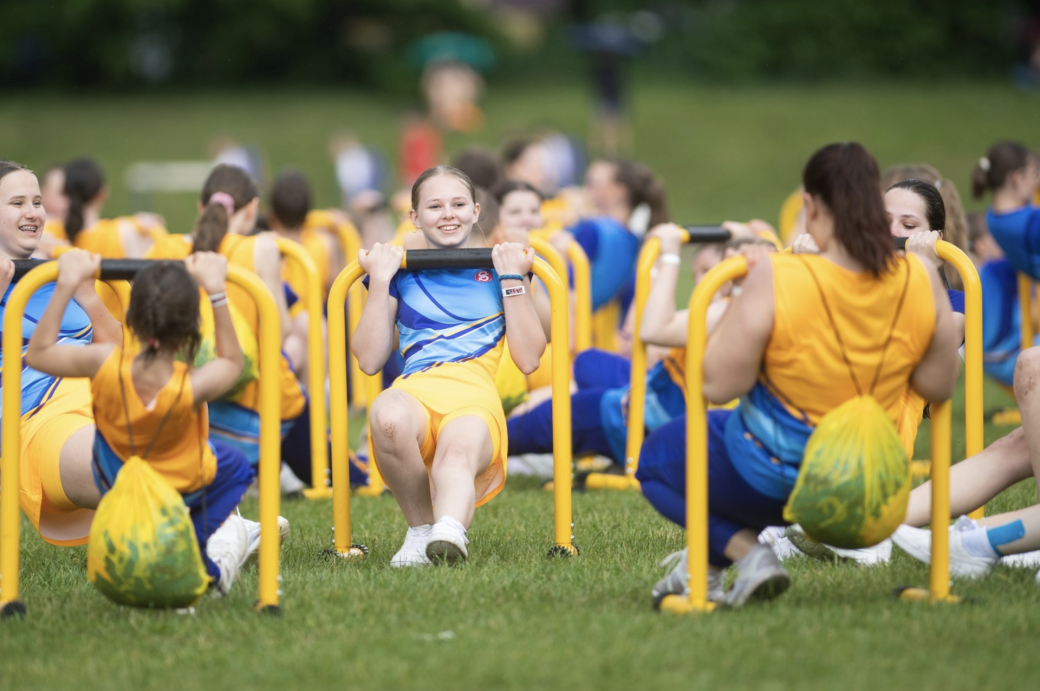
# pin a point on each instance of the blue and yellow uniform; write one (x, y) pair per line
(1018, 234)
(599, 408)
(171, 433)
(452, 332)
(755, 451)
(53, 409)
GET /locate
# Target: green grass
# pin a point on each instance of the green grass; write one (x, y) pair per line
(512, 618)
(723, 152)
(517, 619)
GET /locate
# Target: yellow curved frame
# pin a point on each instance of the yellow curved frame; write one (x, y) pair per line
(637, 393)
(1025, 306)
(561, 409)
(582, 296)
(697, 436)
(295, 254)
(350, 242)
(270, 459)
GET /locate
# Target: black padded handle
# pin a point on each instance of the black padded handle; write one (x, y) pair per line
(111, 269)
(708, 234)
(479, 258)
(900, 243)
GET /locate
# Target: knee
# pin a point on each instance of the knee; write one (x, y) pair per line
(390, 421)
(1027, 370)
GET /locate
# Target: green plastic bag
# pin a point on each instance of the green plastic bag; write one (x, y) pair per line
(854, 482)
(142, 549)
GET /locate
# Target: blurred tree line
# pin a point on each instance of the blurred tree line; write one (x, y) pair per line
(121, 44)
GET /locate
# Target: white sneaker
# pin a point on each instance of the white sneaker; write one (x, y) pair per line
(413, 551)
(677, 582)
(291, 485)
(917, 542)
(253, 531)
(447, 542)
(1025, 560)
(227, 548)
(880, 553)
(783, 547)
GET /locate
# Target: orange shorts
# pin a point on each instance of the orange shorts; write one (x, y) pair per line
(455, 390)
(44, 433)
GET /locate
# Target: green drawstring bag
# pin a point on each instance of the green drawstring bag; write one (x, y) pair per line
(142, 550)
(854, 483)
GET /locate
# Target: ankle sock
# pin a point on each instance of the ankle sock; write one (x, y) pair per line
(977, 543)
(453, 524)
(420, 530)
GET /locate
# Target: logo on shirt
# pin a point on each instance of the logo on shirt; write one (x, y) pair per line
(483, 276)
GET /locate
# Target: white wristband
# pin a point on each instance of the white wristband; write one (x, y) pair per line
(513, 291)
(670, 258)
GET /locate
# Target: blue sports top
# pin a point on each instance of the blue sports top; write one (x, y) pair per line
(612, 252)
(37, 387)
(451, 315)
(1018, 234)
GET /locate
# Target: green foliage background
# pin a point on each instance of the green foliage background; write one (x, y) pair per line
(123, 44)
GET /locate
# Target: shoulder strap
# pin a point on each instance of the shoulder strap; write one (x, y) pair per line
(837, 335)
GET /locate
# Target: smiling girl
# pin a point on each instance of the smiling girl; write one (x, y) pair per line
(439, 433)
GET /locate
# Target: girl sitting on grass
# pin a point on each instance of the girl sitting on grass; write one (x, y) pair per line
(439, 433)
(151, 404)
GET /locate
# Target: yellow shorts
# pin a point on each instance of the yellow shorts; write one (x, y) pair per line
(44, 433)
(455, 390)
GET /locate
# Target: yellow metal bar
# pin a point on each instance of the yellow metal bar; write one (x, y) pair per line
(122, 291)
(270, 459)
(340, 414)
(974, 419)
(939, 574)
(697, 440)
(350, 242)
(373, 387)
(1025, 306)
(582, 296)
(11, 431)
(637, 398)
(296, 255)
(561, 410)
(270, 432)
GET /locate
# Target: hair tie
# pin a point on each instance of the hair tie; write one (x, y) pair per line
(938, 184)
(225, 200)
(984, 164)
(153, 343)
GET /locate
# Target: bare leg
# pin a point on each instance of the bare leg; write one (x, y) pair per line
(295, 347)
(397, 423)
(74, 468)
(1027, 377)
(976, 480)
(464, 450)
(740, 544)
(1030, 518)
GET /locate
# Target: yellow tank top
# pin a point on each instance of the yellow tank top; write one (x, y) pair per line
(56, 229)
(104, 236)
(803, 364)
(180, 451)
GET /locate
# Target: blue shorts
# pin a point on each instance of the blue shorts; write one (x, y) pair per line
(733, 505)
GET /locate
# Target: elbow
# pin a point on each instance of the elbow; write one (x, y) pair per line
(31, 358)
(528, 363)
(366, 363)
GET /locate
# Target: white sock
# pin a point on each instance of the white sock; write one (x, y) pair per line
(420, 530)
(453, 524)
(976, 543)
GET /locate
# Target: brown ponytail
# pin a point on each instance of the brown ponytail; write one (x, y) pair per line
(212, 224)
(643, 187)
(846, 179)
(84, 181)
(991, 171)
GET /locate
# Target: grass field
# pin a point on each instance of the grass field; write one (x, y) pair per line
(724, 153)
(511, 618)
